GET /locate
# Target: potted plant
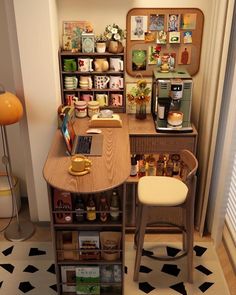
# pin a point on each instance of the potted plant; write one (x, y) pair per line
(101, 41)
(115, 35)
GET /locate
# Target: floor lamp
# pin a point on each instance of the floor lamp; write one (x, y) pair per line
(11, 111)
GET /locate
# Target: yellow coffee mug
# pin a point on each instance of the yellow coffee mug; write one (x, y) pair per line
(80, 163)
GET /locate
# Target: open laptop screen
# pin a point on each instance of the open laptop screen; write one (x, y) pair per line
(68, 133)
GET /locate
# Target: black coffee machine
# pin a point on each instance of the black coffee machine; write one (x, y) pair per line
(172, 100)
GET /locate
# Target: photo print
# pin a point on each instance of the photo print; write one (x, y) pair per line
(138, 27)
(173, 22)
(188, 21)
(184, 57)
(156, 22)
(187, 37)
(139, 59)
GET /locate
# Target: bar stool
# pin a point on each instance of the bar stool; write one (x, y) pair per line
(166, 192)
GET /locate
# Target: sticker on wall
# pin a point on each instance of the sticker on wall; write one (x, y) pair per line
(187, 37)
(156, 22)
(174, 37)
(188, 21)
(150, 36)
(139, 58)
(184, 57)
(173, 22)
(138, 27)
(161, 37)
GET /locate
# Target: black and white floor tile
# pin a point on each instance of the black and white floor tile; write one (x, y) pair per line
(28, 268)
(169, 278)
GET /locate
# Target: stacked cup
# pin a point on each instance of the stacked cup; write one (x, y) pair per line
(71, 82)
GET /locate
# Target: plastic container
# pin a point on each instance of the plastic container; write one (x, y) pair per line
(6, 198)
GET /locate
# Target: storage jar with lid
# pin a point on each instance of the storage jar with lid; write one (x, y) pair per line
(93, 108)
(80, 109)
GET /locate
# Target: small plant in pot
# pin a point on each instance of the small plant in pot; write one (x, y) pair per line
(101, 42)
(115, 35)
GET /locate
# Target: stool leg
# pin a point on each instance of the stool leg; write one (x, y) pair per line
(140, 241)
(137, 228)
(190, 234)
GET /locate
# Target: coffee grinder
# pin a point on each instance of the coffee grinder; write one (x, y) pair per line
(171, 101)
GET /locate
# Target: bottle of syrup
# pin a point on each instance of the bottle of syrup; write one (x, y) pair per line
(114, 206)
(79, 209)
(103, 206)
(91, 209)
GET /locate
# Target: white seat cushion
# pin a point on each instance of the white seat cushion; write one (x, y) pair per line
(161, 191)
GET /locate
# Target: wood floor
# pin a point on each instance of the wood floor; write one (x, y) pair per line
(42, 233)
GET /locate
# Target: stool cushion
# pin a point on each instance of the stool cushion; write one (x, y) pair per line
(161, 191)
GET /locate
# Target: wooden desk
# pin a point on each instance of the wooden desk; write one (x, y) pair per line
(107, 172)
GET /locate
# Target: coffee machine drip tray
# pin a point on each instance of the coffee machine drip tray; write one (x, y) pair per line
(162, 126)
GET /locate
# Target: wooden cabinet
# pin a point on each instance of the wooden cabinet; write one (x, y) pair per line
(96, 75)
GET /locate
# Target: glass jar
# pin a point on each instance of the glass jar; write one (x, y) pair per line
(93, 108)
(80, 109)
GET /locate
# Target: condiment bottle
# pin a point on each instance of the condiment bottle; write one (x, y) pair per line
(79, 209)
(176, 164)
(133, 170)
(114, 206)
(103, 206)
(142, 167)
(151, 171)
(91, 209)
(160, 166)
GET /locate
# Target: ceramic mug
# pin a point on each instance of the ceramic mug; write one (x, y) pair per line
(86, 97)
(80, 163)
(85, 82)
(71, 82)
(101, 65)
(116, 64)
(116, 99)
(69, 99)
(69, 65)
(101, 81)
(102, 99)
(85, 64)
(116, 82)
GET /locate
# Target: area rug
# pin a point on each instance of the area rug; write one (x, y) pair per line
(28, 268)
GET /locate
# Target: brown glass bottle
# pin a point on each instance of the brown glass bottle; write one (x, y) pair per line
(103, 206)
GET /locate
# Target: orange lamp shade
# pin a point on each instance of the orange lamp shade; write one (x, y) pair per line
(11, 109)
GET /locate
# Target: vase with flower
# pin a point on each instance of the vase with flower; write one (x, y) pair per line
(115, 35)
(140, 95)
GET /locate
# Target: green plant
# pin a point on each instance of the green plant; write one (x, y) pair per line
(101, 38)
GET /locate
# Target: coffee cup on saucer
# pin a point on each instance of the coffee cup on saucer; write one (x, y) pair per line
(80, 164)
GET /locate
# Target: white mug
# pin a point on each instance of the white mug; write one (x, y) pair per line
(85, 64)
(101, 81)
(116, 64)
(102, 99)
(116, 82)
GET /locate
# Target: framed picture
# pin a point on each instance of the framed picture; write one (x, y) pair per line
(75, 27)
(188, 21)
(184, 55)
(173, 22)
(68, 276)
(150, 36)
(88, 42)
(187, 37)
(138, 27)
(151, 58)
(139, 59)
(156, 22)
(130, 102)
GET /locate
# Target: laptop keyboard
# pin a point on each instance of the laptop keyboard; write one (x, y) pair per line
(84, 145)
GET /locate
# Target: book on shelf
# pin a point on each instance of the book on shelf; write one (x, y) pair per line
(87, 280)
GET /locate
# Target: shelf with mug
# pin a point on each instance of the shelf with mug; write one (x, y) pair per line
(97, 69)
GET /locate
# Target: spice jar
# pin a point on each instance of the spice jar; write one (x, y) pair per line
(93, 108)
(80, 109)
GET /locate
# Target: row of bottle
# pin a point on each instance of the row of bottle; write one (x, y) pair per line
(160, 165)
(86, 209)
(89, 209)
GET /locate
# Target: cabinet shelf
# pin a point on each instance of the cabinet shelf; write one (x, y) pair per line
(89, 262)
(74, 54)
(94, 73)
(87, 225)
(94, 90)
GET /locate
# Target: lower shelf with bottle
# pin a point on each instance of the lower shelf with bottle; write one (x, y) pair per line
(91, 279)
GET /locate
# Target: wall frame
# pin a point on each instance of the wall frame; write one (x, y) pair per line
(182, 29)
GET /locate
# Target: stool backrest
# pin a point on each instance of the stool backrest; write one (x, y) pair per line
(190, 160)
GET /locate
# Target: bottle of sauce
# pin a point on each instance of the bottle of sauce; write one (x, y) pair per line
(151, 171)
(79, 209)
(91, 209)
(142, 167)
(103, 206)
(114, 206)
(133, 170)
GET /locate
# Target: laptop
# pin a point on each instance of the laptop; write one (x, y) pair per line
(91, 144)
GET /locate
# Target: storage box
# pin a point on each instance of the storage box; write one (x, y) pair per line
(6, 198)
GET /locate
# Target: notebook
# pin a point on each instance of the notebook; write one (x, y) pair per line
(91, 144)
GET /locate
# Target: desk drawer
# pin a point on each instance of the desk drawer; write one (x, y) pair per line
(154, 144)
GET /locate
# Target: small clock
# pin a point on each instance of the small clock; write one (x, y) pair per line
(88, 42)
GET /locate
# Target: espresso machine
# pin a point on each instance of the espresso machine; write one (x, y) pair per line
(172, 100)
